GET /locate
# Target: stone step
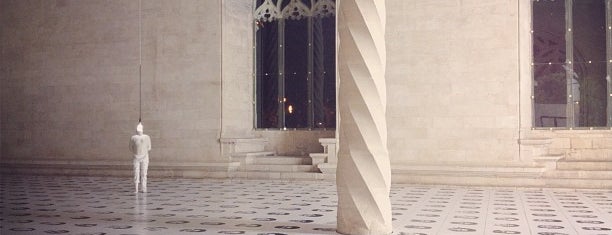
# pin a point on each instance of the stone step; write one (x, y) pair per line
(318, 155)
(282, 160)
(464, 170)
(509, 175)
(253, 154)
(290, 176)
(240, 145)
(579, 183)
(317, 158)
(591, 155)
(248, 158)
(584, 165)
(278, 168)
(466, 180)
(575, 174)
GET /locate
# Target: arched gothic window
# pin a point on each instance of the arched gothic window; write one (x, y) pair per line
(295, 64)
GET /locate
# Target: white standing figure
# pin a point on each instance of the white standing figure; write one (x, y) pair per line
(140, 145)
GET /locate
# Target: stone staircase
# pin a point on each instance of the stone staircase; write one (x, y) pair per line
(582, 171)
(280, 168)
(257, 163)
(575, 166)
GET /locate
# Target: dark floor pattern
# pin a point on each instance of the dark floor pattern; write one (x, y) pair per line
(94, 205)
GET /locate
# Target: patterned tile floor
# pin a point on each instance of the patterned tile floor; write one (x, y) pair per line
(94, 205)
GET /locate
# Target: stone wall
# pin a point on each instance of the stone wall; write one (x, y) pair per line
(458, 82)
(294, 142)
(237, 65)
(452, 80)
(70, 87)
(576, 145)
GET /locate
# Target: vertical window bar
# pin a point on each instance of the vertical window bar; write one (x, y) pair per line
(533, 108)
(569, 47)
(256, 106)
(310, 74)
(281, 73)
(609, 58)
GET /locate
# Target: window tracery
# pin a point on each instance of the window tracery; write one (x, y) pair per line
(296, 10)
(271, 10)
(324, 8)
(267, 12)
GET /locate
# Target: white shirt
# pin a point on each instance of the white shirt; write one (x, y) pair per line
(140, 145)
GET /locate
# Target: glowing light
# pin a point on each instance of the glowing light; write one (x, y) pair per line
(284, 99)
(290, 109)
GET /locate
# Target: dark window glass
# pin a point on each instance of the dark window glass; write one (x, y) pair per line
(549, 31)
(296, 73)
(324, 66)
(549, 55)
(267, 75)
(589, 64)
(550, 89)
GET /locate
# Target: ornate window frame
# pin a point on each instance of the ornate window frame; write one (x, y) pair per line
(272, 10)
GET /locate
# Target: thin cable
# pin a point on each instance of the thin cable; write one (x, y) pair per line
(140, 60)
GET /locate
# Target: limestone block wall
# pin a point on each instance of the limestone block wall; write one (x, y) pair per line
(237, 69)
(577, 145)
(294, 142)
(69, 84)
(452, 80)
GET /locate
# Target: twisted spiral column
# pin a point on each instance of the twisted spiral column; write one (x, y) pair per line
(363, 175)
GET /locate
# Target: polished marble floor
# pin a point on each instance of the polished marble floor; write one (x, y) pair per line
(94, 205)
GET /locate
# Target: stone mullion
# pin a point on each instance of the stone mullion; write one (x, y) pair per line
(569, 57)
(310, 73)
(609, 58)
(281, 73)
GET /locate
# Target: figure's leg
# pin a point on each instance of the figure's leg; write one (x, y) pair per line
(145, 168)
(136, 174)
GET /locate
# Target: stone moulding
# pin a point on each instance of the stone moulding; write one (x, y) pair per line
(231, 147)
(118, 168)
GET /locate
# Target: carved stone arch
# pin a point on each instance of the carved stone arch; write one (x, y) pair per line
(267, 11)
(324, 8)
(295, 10)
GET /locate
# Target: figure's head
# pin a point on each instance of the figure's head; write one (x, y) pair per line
(139, 128)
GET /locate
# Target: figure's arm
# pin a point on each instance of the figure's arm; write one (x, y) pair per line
(149, 142)
(131, 146)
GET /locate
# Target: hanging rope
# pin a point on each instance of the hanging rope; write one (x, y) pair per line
(140, 60)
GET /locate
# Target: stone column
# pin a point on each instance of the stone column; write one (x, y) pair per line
(363, 175)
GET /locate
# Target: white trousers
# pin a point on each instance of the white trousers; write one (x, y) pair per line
(141, 165)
